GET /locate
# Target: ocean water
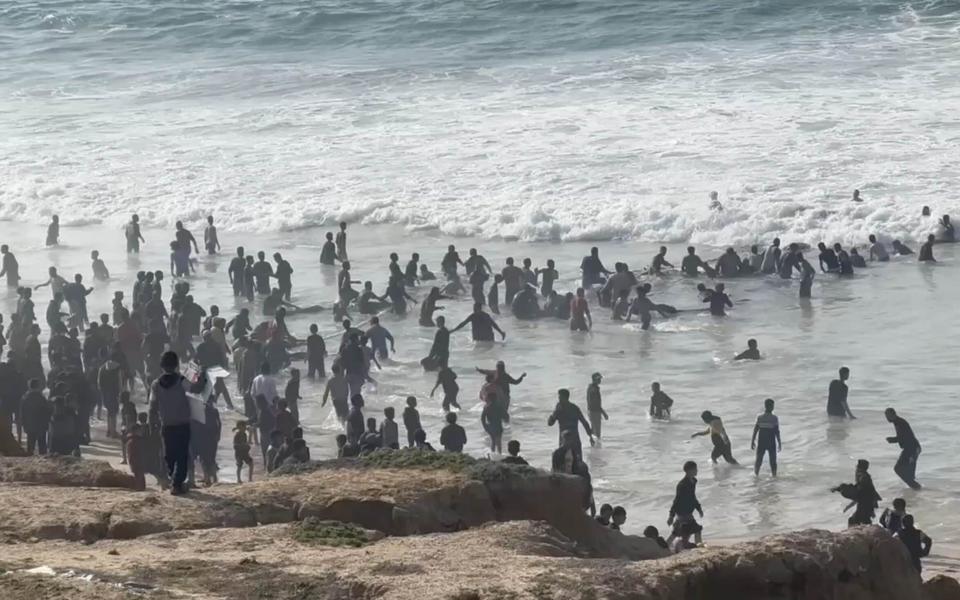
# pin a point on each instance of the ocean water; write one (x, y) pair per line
(891, 325)
(562, 123)
(527, 119)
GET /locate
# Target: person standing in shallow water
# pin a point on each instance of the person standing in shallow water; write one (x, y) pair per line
(210, 240)
(341, 242)
(718, 435)
(906, 467)
(328, 254)
(132, 233)
(53, 231)
(580, 319)
(837, 396)
(768, 431)
(481, 324)
(861, 494)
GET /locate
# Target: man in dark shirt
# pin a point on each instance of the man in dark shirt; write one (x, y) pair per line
(828, 259)
(906, 467)
(513, 454)
(917, 542)
(926, 250)
(482, 325)
(568, 418)
(684, 503)
(751, 353)
(718, 300)
(593, 270)
(837, 398)
(453, 437)
(282, 274)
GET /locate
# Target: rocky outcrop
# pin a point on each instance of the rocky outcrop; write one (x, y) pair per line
(941, 587)
(63, 471)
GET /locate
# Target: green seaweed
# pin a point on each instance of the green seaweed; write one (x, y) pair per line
(329, 533)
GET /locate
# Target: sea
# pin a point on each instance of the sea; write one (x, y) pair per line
(534, 128)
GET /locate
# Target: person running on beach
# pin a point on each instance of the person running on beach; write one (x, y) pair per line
(837, 396)
(580, 318)
(684, 504)
(569, 418)
(718, 435)
(906, 467)
(132, 233)
(210, 240)
(768, 430)
(660, 261)
(926, 250)
(592, 269)
(861, 494)
(595, 406)
(482, 325)
(751, 353)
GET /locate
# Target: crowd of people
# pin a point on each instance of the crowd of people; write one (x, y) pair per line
(147, 342)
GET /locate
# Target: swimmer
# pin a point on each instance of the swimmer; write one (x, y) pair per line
(476, 261)
(482, 325)
(729, 265)
(925, 211)
(210, 240)
(132, 232)
(718, 300)
(580, 318)
(856, 260)
(410, 273)
(53, 231)
(751, 353)
(328, 254)
(945, 232)
(718, 435)
(926, 250)
(856, 196)
(906, 467)
(878, 252)
(755, 260)
(901, 249)
(837, 396)
(426, 274)
(100, 272)
(771, 258)
(592, 269)
(341, 242)
(828, 259)
(715, 202)
(660, 261)
(547, 275)
(767, 429)
(789, 262)
(660, 402)
(692, 264)
(429, 306)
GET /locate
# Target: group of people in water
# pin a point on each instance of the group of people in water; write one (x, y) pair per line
(148, 340)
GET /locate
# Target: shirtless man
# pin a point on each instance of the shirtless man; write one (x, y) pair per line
(235, 272)
(132, 233)
(692, 263)
(660, 261)
(341, 243)
(210, 240)
(53, 231)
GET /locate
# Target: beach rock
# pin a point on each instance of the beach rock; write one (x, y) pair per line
(941, 587)
(63, 471)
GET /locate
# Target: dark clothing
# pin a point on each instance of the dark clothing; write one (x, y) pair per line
(592, 269)
(440, 350)
(905, 437)
(718, 300)
(411, 421)
(685, 501)
(176, 452)
(569, 417)
(892, 521)
(837, 399)
(918, 545)
(316, 350)
(481, 325)
(515, 460)
(453, 438)
(926, 253)
(906, 467)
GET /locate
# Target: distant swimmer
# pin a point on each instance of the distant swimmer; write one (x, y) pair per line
(771, 258)
(856, 196)
(715, 202)
(945, 232)
(729, 264)
(843, 260)
(210, 240)
(925, 211)
(906, 467)
(878, 251)
(719, 300)
(751, 353)
(341, 242)
(692, 264)
(100, 271)
(660, 403)
(593, 270)
(328, 254)
(837, 396)
(901, 249)
(53, 231)
(807, 273)
(481, 324)
(426, 274)
(829, 263)
(926, 250)
(580, 319)
(767, 430)
(548, 275)
(132, 233)
(856, 260)
(861, 494)
(718, 435)
(660, 261)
